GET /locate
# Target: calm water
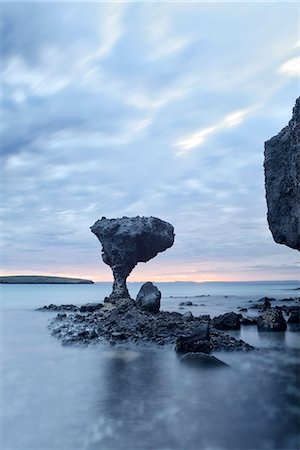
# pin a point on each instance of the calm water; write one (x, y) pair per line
(62, 398)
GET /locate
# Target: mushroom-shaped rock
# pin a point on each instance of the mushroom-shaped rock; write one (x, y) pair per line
(149, 297)
(128, 241)
(282, 181)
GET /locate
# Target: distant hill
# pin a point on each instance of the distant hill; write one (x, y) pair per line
(33, 279)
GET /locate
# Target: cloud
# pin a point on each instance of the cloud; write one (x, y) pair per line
(95, 114)
(291, 67)
(199, 137)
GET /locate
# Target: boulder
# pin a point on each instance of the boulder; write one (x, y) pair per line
(271, 320)
(227, 321)
(294, 317)
(197, 341)
(188, 315)
(188, 303)
(282, 182)
(128, 241)
(148, 298)
(202, 360)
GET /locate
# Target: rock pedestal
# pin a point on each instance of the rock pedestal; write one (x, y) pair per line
(128, 241)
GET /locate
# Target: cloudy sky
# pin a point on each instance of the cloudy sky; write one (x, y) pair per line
(113, 109)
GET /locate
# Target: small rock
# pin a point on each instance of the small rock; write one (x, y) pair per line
(188, 303)
(61, 316)
(188, 315)
(148, 298)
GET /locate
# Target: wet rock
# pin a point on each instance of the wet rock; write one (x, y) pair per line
(248, 320)
(202, 360)
(266, 305)
(61, 316)
(282, 182)
(197, 341)
(53, 307)
(188, 303)
(188, 315)
(266, 299)
(294, 317)
(90, 307)
(148, 298)
(227, 321)
(128, 241)
(125, 322)
(271, 320)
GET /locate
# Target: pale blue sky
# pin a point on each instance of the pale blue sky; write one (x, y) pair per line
(112, 109)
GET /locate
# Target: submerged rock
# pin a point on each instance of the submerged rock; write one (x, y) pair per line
(271, 320)
(149, 297)
(128, 241)
(227, 321)
(282, 182)
(188, 303)
(202, 360)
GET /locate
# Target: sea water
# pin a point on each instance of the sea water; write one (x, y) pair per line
(102, 397)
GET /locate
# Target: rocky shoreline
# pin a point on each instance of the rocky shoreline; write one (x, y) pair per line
(122, 322)
(125, 322)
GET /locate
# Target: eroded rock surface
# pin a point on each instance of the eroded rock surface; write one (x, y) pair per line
(128, 241)
(123, 322)
(282, 182)
(148, 298)
(271, 320)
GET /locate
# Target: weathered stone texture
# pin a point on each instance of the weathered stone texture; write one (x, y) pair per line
(282, 182)
(128, 241)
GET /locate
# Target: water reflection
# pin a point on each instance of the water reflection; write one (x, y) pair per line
(150, 401)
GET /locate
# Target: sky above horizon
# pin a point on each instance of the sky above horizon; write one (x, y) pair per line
(125, 109)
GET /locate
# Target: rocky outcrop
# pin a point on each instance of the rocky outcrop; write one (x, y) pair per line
(128, 241)
(271, 320)
(123, 322)
(282, 182)
(148, 298)
(228, 321)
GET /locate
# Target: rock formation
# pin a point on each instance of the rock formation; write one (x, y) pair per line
(282, 182)
(148, 298)
(130, 240)
(271, 320)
